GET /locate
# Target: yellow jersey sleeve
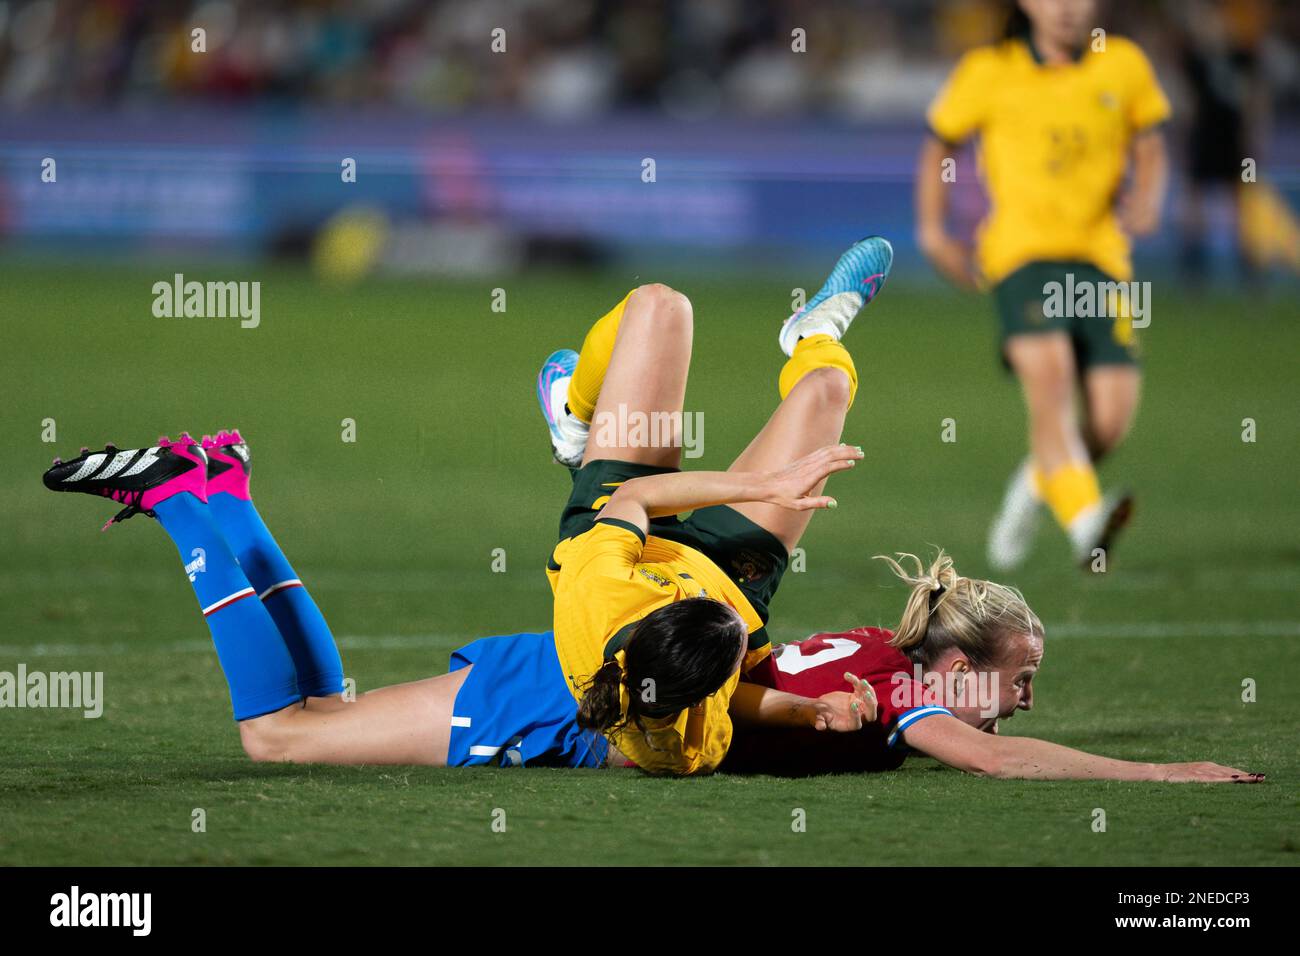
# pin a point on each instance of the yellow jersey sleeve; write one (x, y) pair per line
(596, 592)
(960, 108)
(1146, 104)
(610, 549)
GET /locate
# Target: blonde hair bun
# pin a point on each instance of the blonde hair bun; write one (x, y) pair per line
(946, 610)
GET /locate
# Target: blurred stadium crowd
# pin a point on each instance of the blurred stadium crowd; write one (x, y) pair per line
(573, 58)
(159, 146)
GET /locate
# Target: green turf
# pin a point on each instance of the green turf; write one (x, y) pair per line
(395, 535)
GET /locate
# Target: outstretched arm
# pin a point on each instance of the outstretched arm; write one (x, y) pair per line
(840, 710)
(640, 499)
(959, 745)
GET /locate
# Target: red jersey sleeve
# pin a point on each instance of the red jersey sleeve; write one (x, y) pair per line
(816, 666)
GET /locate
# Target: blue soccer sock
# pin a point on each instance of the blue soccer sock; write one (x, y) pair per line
(256, 663)
(301, 624)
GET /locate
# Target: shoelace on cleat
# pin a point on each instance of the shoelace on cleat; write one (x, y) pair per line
(132, 501)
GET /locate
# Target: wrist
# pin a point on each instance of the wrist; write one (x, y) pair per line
(763, 486)
(818, 709)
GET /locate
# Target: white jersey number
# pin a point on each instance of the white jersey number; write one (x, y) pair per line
(790, 660)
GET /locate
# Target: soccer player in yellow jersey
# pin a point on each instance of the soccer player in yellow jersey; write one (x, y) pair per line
(1061, 112)
(655, 616)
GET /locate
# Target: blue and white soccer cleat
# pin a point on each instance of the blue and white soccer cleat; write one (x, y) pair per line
(1012, 533)
(856, 279)
(568, 433)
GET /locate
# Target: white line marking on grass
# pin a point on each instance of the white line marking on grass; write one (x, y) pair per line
(434, 579)
(386, 581)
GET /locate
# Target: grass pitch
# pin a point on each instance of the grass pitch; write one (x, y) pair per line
(395, 534)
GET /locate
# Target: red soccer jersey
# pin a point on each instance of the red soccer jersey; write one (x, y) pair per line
(816, 666)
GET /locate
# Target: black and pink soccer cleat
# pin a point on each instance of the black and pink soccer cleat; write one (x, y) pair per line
(229, 463)
(138, 478)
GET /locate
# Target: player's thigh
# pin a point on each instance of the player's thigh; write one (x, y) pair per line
(810, 417)
(1111, 397)
(638, 416)
(1044, 362)
(403, 724)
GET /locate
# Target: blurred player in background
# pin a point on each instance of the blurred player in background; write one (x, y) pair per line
(1220, 61)
(1061, 112)
(1224, 66)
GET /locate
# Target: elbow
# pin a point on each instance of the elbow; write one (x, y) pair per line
(626, 493)
(978, 764)
(994, 768)
(989, 762)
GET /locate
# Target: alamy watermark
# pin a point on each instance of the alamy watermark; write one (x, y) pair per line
(1098, 300)
(208, 300)
(128, 910)
(634, 428)
(75, 690)
(924, 688)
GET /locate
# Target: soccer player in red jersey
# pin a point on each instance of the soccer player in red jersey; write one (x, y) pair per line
(962, 659)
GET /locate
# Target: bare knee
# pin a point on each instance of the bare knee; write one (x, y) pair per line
(1105, 433)
(668, 310)
(658, 295)
(264, 739)
(829, 387)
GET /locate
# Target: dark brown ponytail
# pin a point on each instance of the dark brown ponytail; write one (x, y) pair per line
(600, 708)
(676, 656)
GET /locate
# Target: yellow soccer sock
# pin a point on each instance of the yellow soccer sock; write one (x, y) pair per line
(593, 363)
(817, 351)
(1071, 490)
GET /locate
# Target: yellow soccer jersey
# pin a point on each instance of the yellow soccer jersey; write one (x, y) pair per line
(1053, 148)
(612, 576)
